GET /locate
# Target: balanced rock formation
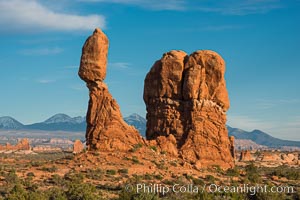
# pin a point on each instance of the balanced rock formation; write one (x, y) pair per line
(186, 97)
(106, 129)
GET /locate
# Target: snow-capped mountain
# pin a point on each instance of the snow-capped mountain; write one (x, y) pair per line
(138, 122)
(60, 122)
(63, 122)
(63, 118)
(10, 123)
(79, 119)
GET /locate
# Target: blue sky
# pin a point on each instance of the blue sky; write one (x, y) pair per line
(41, 44)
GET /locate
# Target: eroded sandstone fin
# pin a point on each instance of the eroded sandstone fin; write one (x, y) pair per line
(106, 129)
(186, 97)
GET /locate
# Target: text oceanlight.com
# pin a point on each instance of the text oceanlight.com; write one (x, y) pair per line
(210, 188)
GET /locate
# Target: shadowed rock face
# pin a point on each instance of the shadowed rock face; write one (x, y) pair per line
(186, 97)
(106, 129)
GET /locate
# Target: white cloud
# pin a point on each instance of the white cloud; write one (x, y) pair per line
(119, 65)
(227, 7)
(41, 51)
(221, 28)
(153, 4)
(30, 15)
(241, 7)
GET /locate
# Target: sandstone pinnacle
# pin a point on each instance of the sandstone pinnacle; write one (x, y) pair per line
(106, 129)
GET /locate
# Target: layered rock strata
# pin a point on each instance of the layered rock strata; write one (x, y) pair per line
(186, 97)
(106, 129)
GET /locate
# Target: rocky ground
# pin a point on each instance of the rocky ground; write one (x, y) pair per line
(108, 175)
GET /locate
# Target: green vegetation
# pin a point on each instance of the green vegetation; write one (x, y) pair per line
(96, 174)
(160, 165)
(70, 187)
(283, 171)
(49, 169)
(135, 160)
(210, 178)
(98, 183)
(252, 174)
(123, 171)
(136, 147)
(233, 172)
(154, 148)
(111, 172)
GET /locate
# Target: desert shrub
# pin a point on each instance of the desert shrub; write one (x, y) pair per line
(210, 178)
(197, 181)
(57, 179)
(219, 196)
(11, 177)
(17, 193)
(154, 148)
(136, 147)
(30, 174)
(168, 182)
(187, 176)
(49, 169)
(158, 177)
(148, 176)
(111, 172)
(160, 165)
(73, 177)
(135, 160)
(266, 196)
(136, 178)
(217, 168)
(173, 163)
(283, 171)
(126, 158)
(96, 174)
(252, 173)
(251, 168)
(123, 171)
(37, 195)
(36, 163)
(232, 172)
(82, 191)
(29, 185)
(56, 194)
(133, 195)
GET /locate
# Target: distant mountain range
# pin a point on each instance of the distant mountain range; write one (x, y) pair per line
(10, 123)
(58, 122)
(138, 122)
(260, 137)
(63, 122)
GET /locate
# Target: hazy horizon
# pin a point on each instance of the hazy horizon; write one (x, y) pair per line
(259, 41)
